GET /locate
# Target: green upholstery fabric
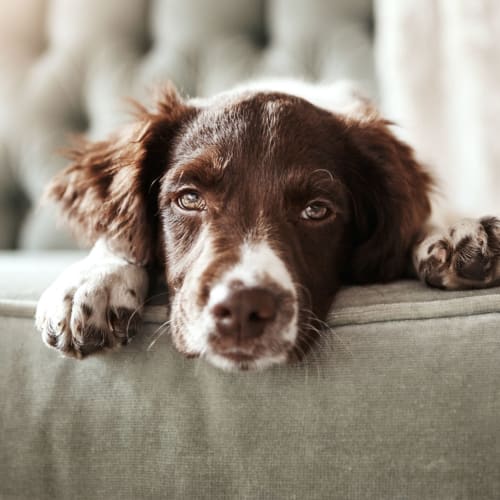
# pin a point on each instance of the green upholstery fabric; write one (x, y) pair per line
(405, 405)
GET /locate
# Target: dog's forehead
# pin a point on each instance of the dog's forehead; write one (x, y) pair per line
(253, 114)
(255, 129)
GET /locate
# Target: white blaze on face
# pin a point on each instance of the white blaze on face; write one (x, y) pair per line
(195, 335)
(258, 265)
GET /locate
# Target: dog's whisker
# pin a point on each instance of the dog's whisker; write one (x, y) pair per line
(158, 333)
(138, 309)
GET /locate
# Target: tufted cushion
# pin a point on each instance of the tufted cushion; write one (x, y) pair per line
(65, 66)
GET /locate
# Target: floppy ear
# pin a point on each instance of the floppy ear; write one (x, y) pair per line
(110, 190)
(390, 202)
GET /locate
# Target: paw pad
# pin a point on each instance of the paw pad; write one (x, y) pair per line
(464, 256)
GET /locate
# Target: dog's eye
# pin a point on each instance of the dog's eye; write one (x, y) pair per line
(315, 211)
(191, 200)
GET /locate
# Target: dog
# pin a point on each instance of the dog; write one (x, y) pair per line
(257, 205)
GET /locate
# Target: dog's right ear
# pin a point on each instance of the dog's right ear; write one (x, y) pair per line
(110, 188)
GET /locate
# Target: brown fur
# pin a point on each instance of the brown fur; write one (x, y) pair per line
(390, 194)
(110, 189)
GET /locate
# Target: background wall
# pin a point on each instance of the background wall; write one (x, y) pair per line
(438, 67)
(65, 66)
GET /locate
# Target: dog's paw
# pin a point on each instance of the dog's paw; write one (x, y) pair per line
(93, 305)
(465, 255)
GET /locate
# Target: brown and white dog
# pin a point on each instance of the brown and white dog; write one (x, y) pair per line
(257, 205)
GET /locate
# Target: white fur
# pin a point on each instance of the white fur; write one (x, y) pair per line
(102, 281)
(259, 364)
(201, 322)
(341, 97)
(259, 261)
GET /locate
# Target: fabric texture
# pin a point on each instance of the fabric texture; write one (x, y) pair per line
(403, 405)
(67, 65)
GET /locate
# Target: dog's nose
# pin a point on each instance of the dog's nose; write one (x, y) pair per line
(245, 312)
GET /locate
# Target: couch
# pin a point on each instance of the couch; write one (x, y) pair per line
(401, 397)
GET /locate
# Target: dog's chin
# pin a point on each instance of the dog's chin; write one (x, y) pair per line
(235, 361)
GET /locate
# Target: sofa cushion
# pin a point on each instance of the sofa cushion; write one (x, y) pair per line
(400, 400)
(25, 275)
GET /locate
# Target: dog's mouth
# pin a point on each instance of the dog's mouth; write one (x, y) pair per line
(240, 361)
(249, 357)
(238, 357)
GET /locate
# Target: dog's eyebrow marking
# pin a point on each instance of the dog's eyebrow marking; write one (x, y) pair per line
(302, 184)
(323, 180)
(206, 168)
(323, 172)
(199, 172)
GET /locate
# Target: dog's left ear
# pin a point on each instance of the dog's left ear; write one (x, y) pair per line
(389, 192)
(110, 188)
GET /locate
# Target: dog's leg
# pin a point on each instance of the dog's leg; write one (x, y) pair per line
(465, 254)
(93, 304)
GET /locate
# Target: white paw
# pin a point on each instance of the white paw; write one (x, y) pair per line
(94, 304)
(465, 255)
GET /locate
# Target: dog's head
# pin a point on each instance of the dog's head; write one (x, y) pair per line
(259, 205)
